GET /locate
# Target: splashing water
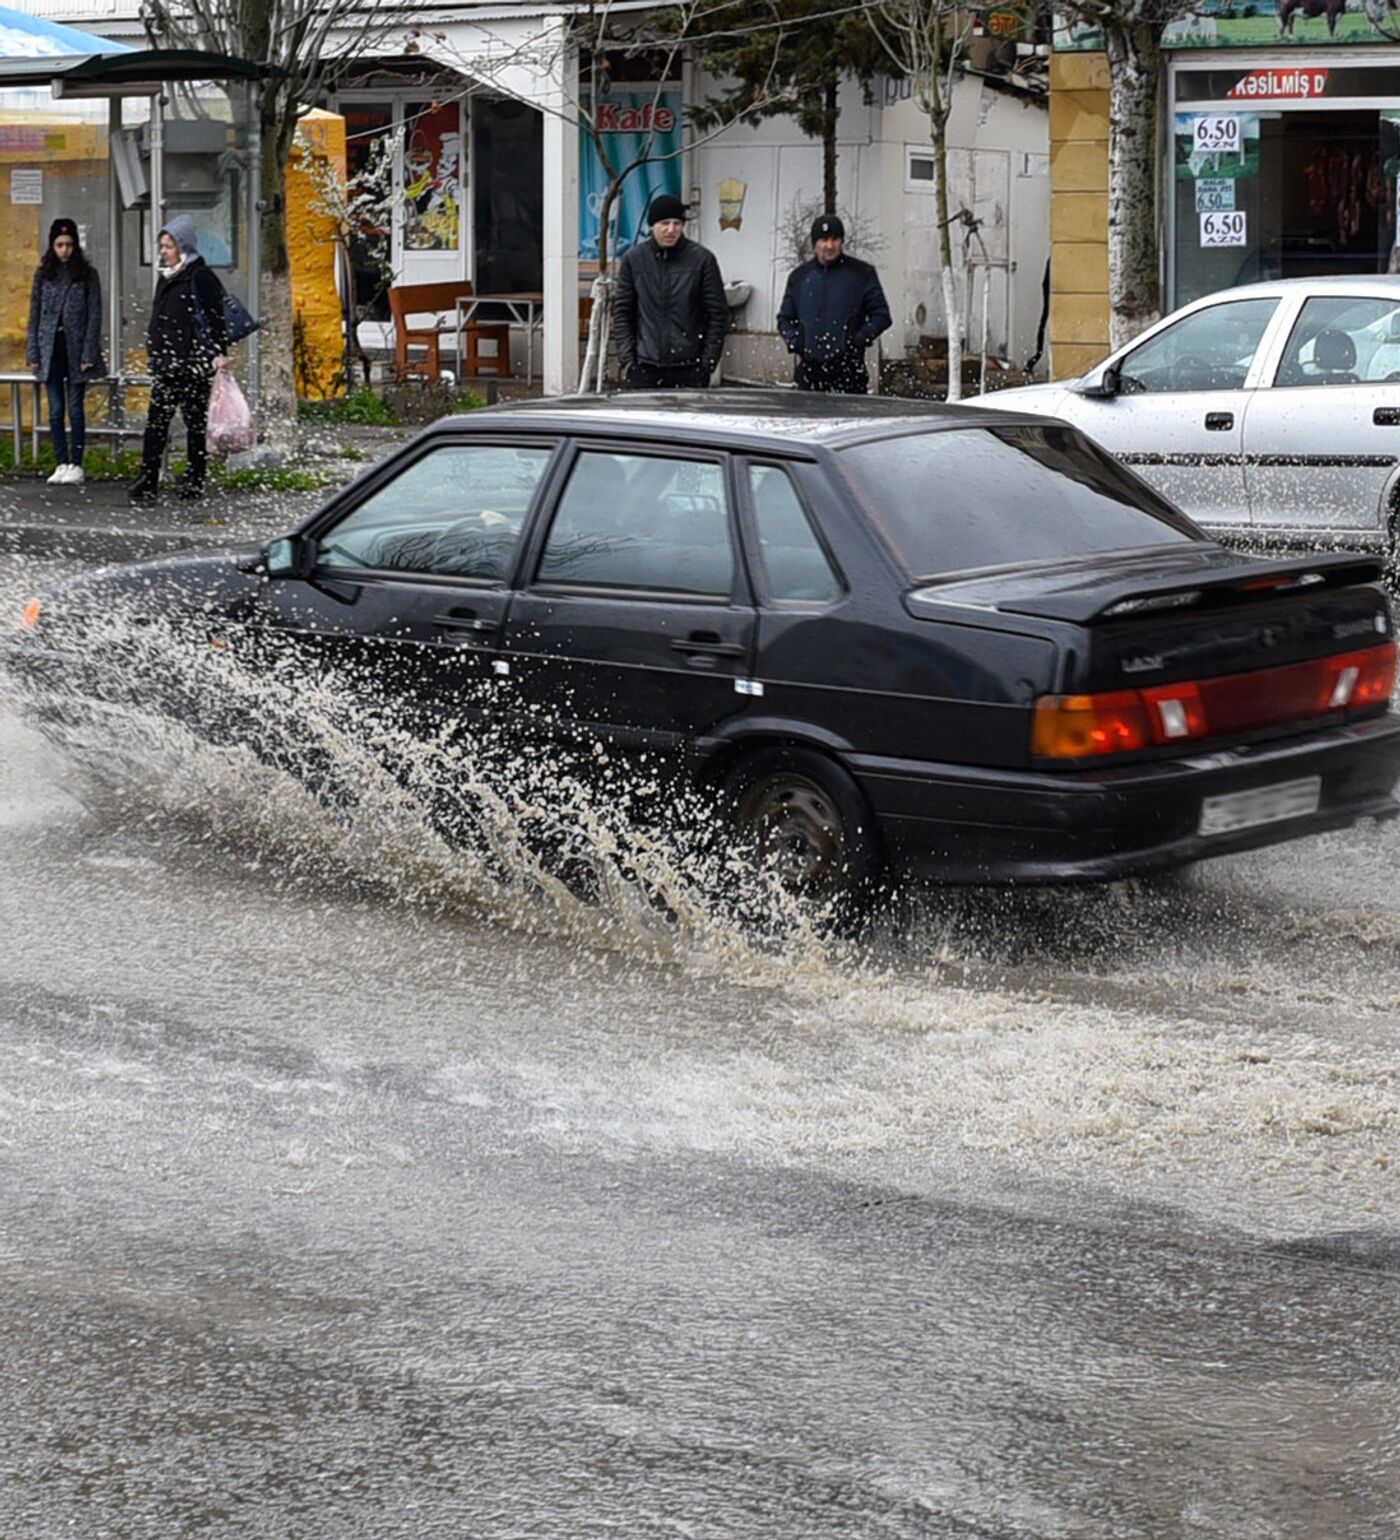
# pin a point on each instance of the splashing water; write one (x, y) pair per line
(314, 766)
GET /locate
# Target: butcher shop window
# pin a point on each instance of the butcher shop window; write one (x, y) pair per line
(1288, 173)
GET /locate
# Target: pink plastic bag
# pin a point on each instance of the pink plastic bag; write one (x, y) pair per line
(230, 427)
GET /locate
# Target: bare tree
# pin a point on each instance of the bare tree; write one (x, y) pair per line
(360, 210)
(927, 41)
(308, 44)
(1132, 40)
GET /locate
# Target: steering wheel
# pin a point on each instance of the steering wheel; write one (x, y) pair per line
(1191, 372)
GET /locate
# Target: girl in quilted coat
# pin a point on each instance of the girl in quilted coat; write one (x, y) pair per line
(64, 344)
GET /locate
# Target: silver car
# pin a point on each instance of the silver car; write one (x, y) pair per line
(1269, 412)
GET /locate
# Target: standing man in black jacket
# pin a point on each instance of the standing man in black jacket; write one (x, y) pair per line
(671, 314)
(832, 310)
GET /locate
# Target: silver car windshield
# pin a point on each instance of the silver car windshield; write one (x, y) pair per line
(952, 501)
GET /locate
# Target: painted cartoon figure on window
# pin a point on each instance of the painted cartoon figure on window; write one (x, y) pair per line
(433, 182)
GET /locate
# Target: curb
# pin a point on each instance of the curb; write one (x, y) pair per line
(88, 542)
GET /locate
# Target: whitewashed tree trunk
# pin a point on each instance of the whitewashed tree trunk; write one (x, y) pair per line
(948, 273)
(1134, 52)
(595, 358)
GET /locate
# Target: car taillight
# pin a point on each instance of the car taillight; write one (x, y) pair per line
(1078, 726)
(1362, 678)
(1118, 721)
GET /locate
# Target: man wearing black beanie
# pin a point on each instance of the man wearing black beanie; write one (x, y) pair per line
(832, 310)
(670, 311)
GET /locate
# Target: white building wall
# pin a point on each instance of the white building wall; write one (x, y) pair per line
(999, 168)
(783, 172)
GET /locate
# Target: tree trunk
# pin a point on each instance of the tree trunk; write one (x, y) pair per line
(277, 395)
(831, 118)
(595, 359)
(952, 307)
(1134, 286)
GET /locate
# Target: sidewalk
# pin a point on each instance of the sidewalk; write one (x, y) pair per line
(97, 522)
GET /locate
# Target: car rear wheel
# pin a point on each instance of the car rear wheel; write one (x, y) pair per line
(810, 823)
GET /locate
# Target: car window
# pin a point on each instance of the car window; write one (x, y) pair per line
(797, 565)
(641, 521)
(1207, 350)
(956, 500)
(455, 512)
(1340, 340)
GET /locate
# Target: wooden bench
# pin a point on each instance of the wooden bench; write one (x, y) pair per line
(438, 302)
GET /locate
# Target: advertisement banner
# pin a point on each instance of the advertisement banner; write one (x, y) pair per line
(1255, 24)
(634, 123)
(433, 177)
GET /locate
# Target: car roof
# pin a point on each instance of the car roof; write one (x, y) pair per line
(1378, 285)
(768, 419)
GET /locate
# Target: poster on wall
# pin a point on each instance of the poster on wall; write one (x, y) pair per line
(634, 122)
(1217, 146)
(1255, 24)
(432, 177)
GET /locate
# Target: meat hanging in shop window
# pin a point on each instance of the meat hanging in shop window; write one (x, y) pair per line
(1316, 173)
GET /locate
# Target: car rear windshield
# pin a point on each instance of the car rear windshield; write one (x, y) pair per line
(959, 499)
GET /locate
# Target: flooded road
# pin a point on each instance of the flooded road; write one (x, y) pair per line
(341, 1201)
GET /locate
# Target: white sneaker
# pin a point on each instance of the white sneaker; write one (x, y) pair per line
(75, 477)
(59, 476)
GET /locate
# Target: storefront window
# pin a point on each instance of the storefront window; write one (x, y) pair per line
(1281, 173)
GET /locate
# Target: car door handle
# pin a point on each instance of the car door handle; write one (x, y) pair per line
(1219, 422)
(466, 621)
(1386, 417)
(708, 644)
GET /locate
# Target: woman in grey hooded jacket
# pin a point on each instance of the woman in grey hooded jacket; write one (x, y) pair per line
(64, 344)
(187, 344)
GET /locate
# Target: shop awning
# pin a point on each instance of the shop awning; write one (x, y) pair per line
(113, 69)
(31, 37)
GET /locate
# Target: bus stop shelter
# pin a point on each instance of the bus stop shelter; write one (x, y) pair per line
(121, 140)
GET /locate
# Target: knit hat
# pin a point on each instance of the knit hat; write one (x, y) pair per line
(182, 231)
(665, 206)
(826, 227)
(63, 227)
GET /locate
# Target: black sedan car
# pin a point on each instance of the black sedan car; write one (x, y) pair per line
(962, 644)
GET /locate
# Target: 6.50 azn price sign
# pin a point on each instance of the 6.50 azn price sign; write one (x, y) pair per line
(1224, 227)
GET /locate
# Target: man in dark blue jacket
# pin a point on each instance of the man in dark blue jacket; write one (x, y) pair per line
(832, 310)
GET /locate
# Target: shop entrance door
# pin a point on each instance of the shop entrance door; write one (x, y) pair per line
(425, 229)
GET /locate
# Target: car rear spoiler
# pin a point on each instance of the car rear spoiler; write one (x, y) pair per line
(1239, 583)
(1113, 598)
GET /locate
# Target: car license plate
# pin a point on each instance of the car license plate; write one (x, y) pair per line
(1263, 804)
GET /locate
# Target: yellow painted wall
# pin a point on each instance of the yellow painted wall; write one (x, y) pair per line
(311, 245)
(1078, 328)
(78, 152)
(65, 150)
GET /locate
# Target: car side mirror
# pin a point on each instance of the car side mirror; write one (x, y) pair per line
(1105, 382)
(291, 556)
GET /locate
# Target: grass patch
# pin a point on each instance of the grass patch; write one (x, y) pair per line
(100, 463)
(278, 478)
(362, 406)
(468, 401)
